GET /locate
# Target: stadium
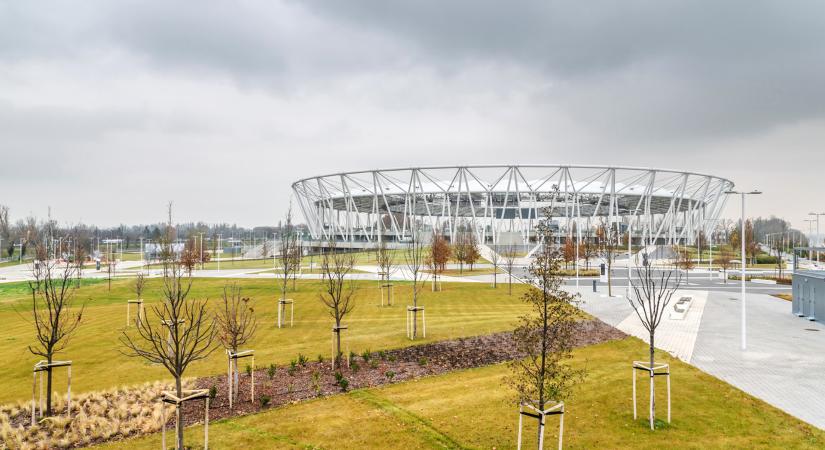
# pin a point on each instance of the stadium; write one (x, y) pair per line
(504, 203)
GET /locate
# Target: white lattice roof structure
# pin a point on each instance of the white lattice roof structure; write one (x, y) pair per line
(390, 204)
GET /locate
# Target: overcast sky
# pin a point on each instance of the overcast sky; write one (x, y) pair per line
(108, 109)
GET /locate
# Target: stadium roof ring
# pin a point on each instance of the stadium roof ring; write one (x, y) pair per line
(660, 205)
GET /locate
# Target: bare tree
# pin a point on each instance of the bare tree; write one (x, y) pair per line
(297, 255)
(414, 258)
(52, 303)
(236, 323)
(650, 296)
(140, 284)
(339, 291)
(495, 260)
(685, 261)
(473, 251)
(509, 256)
(287, 246)
(438, 256)
(386, 259)
(546, 334)
(460, 249)
(724, 260)
(5, 229)
(608, 237)
(184, 331)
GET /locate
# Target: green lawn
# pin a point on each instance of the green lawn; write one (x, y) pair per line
(459, 310)
(471, 409)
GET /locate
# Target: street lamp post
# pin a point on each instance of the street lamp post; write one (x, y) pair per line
(742, 261)
(818, 237)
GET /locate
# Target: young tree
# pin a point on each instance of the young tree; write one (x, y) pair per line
(52, 292)
(509, 256)
(287, 246)
(649, 298)
(140, 284)
(685, 261)
(339, 291)
(724, 260)
(495, 260)
(414, 257)
(297, 256)
(569, 251)
(386, 259)
(236, 322)
(183, 332)
(439, 255)
(608, 241)
(190, 255)
(473, 251)
(588, 250)
(460, 249)
(545, 335)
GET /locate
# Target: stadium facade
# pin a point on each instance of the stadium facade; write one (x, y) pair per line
(506, 202)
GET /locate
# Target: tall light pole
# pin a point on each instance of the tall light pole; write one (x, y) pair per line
(810, 238)
(818, 238)
(742, 261)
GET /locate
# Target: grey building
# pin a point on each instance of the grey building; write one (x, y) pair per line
(809, 294)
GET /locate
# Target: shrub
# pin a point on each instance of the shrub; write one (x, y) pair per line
(293, 367)
(389, 374)
(271, 371)
(382, 354)
(422, 361)
(265, 399)
(354, 367)
(316, 383)
(374, 363)
(320, 358)
(766, 259)
(213, 392)
(341, 381)
(302, 360)
(248, 369)
(392, 357)
(366, 355)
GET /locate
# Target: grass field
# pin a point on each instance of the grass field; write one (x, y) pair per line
(471, 409)
(459, 310)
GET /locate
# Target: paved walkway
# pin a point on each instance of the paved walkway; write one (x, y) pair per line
(783, 365)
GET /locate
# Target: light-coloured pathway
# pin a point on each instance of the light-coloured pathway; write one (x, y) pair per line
(783, 364)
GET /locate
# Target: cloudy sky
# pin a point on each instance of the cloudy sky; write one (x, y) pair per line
(108, 109)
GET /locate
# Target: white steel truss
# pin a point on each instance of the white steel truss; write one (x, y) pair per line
(667, 206)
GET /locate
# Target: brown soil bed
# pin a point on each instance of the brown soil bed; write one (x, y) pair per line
(314, 379)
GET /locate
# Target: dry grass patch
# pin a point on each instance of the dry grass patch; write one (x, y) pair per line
(96, 417)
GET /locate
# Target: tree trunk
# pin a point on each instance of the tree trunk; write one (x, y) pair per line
(415, 314)
(49, 389)
(338, 345)
(652, 386)
(179, 419)
(609, 281)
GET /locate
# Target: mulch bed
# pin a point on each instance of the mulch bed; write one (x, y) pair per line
(314, 379)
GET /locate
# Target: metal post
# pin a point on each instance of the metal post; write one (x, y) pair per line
(634, 393)
(206, 424)
(742, 238)
(69, 394)
(668, 394)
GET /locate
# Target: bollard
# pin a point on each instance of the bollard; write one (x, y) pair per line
(594, 286)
